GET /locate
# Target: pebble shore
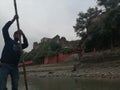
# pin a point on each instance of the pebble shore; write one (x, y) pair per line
(99, 71)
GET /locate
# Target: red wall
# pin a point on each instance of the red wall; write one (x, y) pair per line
(48, 60)
(60, 58)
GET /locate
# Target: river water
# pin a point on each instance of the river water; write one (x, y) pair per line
(68, 84)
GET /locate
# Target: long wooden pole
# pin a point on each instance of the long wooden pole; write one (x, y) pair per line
(18, 27)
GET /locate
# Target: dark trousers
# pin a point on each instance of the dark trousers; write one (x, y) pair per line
(6, 70)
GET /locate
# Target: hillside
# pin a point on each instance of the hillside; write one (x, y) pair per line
(49, 47)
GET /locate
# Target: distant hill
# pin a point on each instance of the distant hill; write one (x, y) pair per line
(59, 40)
(49, 47)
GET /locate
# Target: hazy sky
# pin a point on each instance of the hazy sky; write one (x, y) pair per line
(43, 18)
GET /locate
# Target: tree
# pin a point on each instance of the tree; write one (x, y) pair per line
(81, 24)
(84, 20)
(108, 4)
(97, 29)
(112, 25)
(54, 46)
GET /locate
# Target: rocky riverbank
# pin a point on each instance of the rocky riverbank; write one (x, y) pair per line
(106, 70)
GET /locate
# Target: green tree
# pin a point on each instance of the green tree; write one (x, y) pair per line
(100, 30)
(84, 20)
(54, 46)
(108, 4)
(112, 26)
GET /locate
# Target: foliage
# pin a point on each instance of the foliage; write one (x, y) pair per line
(84, 20)
(99, 30)
(66, 50)
(108, 4)
(55, 46)
(46, 49)
(112, 26)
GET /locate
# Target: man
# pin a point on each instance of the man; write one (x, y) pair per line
(11, 56)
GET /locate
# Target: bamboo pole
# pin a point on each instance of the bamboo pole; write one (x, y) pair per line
(18, 27)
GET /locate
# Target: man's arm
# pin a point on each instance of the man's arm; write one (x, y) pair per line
(6, 27)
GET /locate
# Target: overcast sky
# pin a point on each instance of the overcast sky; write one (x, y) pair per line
(43, 18)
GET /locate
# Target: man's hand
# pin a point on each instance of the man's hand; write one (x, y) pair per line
(15, 17)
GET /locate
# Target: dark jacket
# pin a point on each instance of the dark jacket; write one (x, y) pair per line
(11, 51)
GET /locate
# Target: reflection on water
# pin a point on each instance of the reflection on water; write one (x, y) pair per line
(68, 84)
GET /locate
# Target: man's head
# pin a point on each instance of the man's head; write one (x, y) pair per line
(16, 35)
